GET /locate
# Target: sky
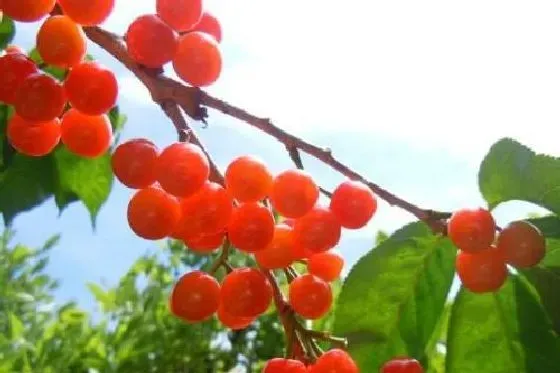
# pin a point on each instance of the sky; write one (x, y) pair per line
(409, 93)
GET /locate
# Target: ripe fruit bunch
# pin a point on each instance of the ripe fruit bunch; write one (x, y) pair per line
(176, 199)
(483, 257)
(47, 110)
(183, 33)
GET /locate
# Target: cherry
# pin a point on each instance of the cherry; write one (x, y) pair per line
(294, 193)
(483, 271)
(246, 292)
(182, 15)
(233, 322)
(150, 41)
(152, 213)
(61, 42)
(205, 243)
(27, 10)
(39, 98)
(317, 231)
(310, 296)
(354, 204)
(335, 361)
(85, 135)
(209, 24)
(198, 60)
(402, 365)
(14, 69)
(522, 243)
(134, 163)
(87, 13)
(251, 227)
(279, 365)
(471, 230)
(34, 139)
(182, 169)
(91, 88)
(327, 265)
(248, 179)
(206, 212)
(279, 252)
(195, 297)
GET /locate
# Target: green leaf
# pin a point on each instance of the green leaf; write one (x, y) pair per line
(503, 332)
(7, 31)
(105, 298)
(512, 171)
(16, 326)
(547, 283)
(56, 72)
(88, 179)
(25, 184)
(393, 297)
(118, 120)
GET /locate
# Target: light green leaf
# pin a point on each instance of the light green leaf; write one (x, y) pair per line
(16, 327)
(394, 296)
(503, 332)
(89, 179)
(512, 171)
(105, 298)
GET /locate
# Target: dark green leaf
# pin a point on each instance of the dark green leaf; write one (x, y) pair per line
(89, 179)
(503, 332)
(25, 184)
(547, 283)
(393, 297)
(512, 171)
(7, 31)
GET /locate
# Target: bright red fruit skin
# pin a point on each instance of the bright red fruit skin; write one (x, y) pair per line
(151, 42)
(40, 98)
(471, 230)
(209, 24)
(522, 243)
(353, 203)
(246, 292)
(198, 60)
(91, 88)
(317, 231)
(195, 297)
(181, 15)
(402, 365)
(14, 69)
(310, 296)
(335, 361)
(327, 265)
(279, 365)
(482, 272)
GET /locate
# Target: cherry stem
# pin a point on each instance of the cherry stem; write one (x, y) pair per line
(222, 259)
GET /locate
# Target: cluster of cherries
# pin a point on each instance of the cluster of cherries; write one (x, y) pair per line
(48, 111)
(181, 32)
(175, 198)
(483, 258)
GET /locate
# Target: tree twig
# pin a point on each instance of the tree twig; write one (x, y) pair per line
(195, 102)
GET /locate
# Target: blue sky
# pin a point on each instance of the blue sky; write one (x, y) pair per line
(409, 93)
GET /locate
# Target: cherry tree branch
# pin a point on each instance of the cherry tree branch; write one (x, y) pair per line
(194, 102)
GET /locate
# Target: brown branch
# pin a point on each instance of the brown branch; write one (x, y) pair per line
(193, 102)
